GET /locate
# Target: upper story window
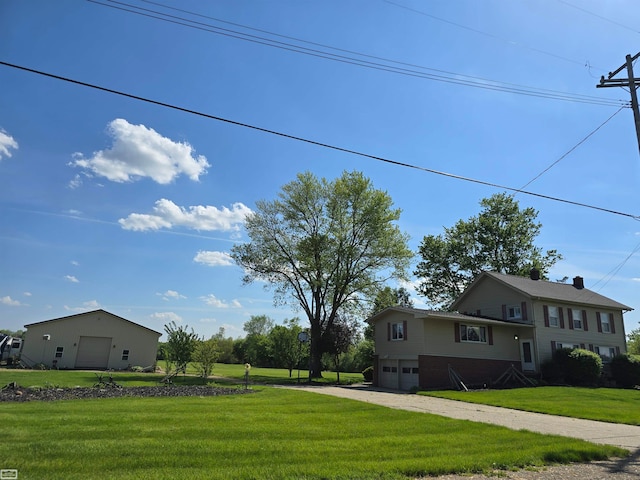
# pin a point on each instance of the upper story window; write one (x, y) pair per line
(397, 331)
(605, 322)
(576, 318)
(514, 312)
(470, 333)
(554, 317)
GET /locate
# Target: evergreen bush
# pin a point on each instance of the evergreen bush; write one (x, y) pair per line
(625, 370)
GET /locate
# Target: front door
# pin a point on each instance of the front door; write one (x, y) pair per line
(526, 355)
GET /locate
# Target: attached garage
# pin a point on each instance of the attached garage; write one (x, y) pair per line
(96, 340)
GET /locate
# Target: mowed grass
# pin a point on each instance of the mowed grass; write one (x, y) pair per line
(604, 404)
(222, 375)
(272, 433)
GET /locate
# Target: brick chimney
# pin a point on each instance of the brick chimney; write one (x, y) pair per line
(534, 274)
(578, 282)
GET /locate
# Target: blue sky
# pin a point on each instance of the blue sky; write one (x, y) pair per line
(110, 202)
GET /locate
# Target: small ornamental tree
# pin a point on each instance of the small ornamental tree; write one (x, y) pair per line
(179, 346)
(205, 355)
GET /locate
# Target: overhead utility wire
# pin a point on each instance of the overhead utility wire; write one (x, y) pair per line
(159, 4)
(570, 150)
(453, 78)
(313, 142)
(599, 16)
(490, 35)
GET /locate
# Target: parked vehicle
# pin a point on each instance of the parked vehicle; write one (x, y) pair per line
(10, 348)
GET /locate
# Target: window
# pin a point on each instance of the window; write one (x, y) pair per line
(566, 345)
(469, 333)
(605, 322)
(386, 369)
(406, 369)
(606, 353)
(514, 312)
(554, 317)
(125, 354)
(59, 352)
(414, 370)
(397, 331)
(576, 316)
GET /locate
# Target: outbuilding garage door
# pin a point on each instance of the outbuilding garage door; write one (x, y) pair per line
(93, 352)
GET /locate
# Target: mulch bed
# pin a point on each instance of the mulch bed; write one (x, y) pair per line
(14, 393)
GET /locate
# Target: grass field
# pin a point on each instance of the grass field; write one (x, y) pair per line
(222, 375)
(605, 404)
(270, 434)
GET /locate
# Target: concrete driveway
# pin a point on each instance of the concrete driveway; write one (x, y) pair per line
(625, 436)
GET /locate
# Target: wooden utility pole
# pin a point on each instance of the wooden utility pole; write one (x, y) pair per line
(630, 82)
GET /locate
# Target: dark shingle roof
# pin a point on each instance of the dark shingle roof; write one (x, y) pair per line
(451, 316)
(542, 289)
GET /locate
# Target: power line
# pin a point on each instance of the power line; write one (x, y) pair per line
(413, 70)
(314, 142)
(599, 16)
(490, 35)
(570, 150)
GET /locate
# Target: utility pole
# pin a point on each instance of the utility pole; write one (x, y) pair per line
(630, 82)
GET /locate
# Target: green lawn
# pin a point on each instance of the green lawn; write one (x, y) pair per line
(605, 404)
(222, 374)
(270, 434)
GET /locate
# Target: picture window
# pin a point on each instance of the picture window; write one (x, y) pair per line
(475, 334)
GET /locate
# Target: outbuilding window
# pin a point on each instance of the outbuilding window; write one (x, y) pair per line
(59, 352)
(125, 354)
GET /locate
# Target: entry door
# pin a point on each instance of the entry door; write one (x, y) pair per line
(526, 355)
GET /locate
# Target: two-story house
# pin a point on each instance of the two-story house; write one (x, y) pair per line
(499, 321)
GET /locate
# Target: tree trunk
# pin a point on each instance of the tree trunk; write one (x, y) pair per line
(316, 352)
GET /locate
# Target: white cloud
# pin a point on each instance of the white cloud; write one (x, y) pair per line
(213, 259)
(10, 302)
(90, 305)
(171, 295)
(213, 301)
(139, 152)
(167, 215)
(27, 294)
(71, 279)
(75, 263)
(6, 142)
(167, 317)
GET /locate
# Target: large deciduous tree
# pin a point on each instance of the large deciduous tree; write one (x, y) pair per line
(500, 239)
(323, 246)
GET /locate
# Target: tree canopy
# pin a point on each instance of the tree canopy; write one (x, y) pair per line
(500, 239)
(323, 246)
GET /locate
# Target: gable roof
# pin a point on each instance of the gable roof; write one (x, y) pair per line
(420, 313)
(545, 290)
(88, 313)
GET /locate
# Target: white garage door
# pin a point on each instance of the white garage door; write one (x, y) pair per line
(408, 374)
(388, 375)
(93, 352)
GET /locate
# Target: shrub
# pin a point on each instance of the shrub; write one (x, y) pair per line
(367, 373)
(555, 371)
(583, 367)
(625, 370)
